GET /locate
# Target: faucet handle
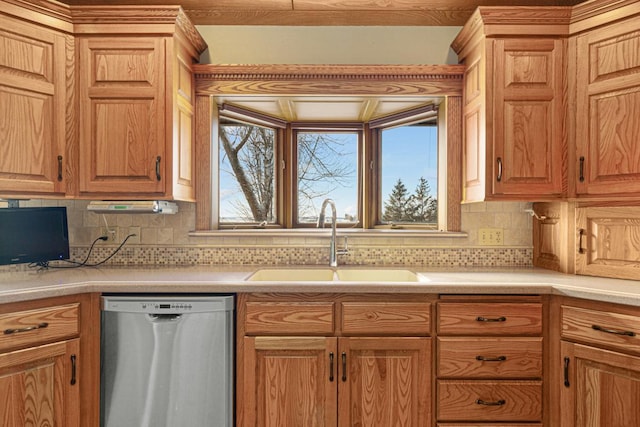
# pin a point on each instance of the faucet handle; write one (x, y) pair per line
(345, 249)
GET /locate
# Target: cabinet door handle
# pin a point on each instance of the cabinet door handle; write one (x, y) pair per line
(581, 169)
(566, 371)
(344, 366)
(489, 403)
(158, 176)
(73, 369)
(59, 168)
(491, 319)
(581, 249)
(331, 366)
(613, 331)
(491, 359)
(26, 329)
(499, 177)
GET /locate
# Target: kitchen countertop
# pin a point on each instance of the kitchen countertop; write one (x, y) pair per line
(29, 285)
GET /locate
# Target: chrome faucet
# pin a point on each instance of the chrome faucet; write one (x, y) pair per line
(333, 252)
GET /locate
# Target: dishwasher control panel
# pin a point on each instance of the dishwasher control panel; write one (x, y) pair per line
(167, 305)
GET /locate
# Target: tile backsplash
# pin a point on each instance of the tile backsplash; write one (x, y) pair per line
(165, 240)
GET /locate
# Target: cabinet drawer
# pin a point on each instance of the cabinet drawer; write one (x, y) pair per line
(488, 425)
(31, 327)
(490, 319)
(489, 400)
(397, 318)
(616, 330)
(300, 318)
(490, 357)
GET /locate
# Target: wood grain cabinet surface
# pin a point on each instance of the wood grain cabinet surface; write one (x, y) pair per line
(299, 367)
(489, 362)
(514, 106)
(600, 365)
(607, 91)
(137, 96)
(47, 377)
(34, 65)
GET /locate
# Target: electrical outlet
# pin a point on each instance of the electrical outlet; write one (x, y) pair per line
(491, 236)
(111, 233)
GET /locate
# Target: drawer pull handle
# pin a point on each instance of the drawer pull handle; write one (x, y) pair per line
(581, 169)
(73, 369)
(499, 177)
(344, 366)
(488, 403)
(490, 319)
(491, 359)
(26, 329)
(331, 366)
(581, 249)
(613, 331)
(566, 371)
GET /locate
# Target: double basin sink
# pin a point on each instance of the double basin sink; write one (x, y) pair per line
(334, 275)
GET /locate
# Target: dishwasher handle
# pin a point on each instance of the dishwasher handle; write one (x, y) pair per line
(162, 317)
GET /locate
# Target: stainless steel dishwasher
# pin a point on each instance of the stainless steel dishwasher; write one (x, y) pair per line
(167, 361)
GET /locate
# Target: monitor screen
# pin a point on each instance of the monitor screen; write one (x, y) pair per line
(33, 235)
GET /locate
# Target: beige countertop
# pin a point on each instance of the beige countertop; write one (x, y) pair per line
(28, 285)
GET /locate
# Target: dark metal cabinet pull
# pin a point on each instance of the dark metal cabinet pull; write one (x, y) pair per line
(581, 177)
(488, 403)
(490, 319)
(499, 177)
(73, 369)
(59, 168)
(26, 329)
(566, 371)
(613, 331)
(580, 235)
(344, 366)
(331, 366)
(158, 176)
(491, 359)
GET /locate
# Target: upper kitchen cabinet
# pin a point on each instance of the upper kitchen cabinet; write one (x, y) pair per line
(36, 80)
(604, 77)
(514, 104)
(136, 98)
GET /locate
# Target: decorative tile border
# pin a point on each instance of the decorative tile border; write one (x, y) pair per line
(427, 257)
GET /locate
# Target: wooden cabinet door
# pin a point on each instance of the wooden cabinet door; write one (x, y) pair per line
(122, 120)
(38, 386)
(290, 381)
(601, 388)
(608, 107)
(528, 117)
(32, 109)
(387, 382)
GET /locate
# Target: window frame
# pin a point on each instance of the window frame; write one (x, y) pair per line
(213, 80)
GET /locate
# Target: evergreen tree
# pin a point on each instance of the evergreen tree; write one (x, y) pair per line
(422, 206)
(395, 208)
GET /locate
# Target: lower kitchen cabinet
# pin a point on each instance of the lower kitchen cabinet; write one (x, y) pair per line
(39, 386)
(373, 379)
(600, 360)
(601, 388)
(329, 381)
(47, 377)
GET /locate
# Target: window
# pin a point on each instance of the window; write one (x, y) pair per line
(326, 167)
(246, 173)
(407, 176)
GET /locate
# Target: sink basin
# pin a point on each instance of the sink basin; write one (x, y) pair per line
(373, 275)
(377, 275)
(292, 275)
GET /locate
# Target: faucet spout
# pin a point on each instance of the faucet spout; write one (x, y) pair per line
(333, 258)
